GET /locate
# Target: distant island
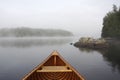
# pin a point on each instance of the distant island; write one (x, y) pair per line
(111, 24)
(33, 32)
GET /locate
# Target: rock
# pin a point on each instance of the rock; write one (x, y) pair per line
(71, 43)
(91, 43)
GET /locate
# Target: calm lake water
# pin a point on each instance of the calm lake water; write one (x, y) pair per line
(20, 56)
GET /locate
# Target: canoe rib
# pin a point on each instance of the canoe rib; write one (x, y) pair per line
(54, 68)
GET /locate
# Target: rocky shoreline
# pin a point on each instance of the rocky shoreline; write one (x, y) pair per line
(88, 42)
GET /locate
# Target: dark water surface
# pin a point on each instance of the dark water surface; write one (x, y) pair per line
(20, 56)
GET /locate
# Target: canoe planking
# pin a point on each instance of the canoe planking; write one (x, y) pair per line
(54, 67)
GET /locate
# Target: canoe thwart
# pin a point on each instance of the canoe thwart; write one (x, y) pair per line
(54, 69)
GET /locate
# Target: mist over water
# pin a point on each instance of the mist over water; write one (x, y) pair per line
(81, 17)
(27, 42)
(21, 51)
(18, 56)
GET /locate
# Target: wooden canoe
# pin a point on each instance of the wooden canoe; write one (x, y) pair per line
(54, 68)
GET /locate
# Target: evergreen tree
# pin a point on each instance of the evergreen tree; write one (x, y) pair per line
(111, 23)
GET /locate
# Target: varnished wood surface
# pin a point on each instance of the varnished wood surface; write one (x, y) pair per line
(54, 68)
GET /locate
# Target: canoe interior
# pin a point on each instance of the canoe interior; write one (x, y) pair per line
(54, 68)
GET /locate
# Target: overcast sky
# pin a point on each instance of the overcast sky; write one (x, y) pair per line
(83, 17)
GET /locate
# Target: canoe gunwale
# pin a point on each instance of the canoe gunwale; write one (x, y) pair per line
(54, 53)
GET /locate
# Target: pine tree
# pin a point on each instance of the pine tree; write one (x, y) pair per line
(111, 23)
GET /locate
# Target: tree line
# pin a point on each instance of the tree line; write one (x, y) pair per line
(29, 32)
(111, 23)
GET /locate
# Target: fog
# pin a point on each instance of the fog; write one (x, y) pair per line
(82, 17)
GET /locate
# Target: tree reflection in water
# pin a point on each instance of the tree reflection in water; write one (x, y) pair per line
(111, 55)
(29, 42)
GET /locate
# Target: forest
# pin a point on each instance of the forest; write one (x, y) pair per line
(33, 32)
(111, 23)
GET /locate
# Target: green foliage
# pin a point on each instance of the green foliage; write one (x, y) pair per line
(29, 32)
(111, 23)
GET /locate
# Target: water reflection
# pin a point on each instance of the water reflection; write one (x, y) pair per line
(87, 50)
(29, 42)
(111, 55)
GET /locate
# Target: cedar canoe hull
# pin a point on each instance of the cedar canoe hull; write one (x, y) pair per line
(54, 68)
